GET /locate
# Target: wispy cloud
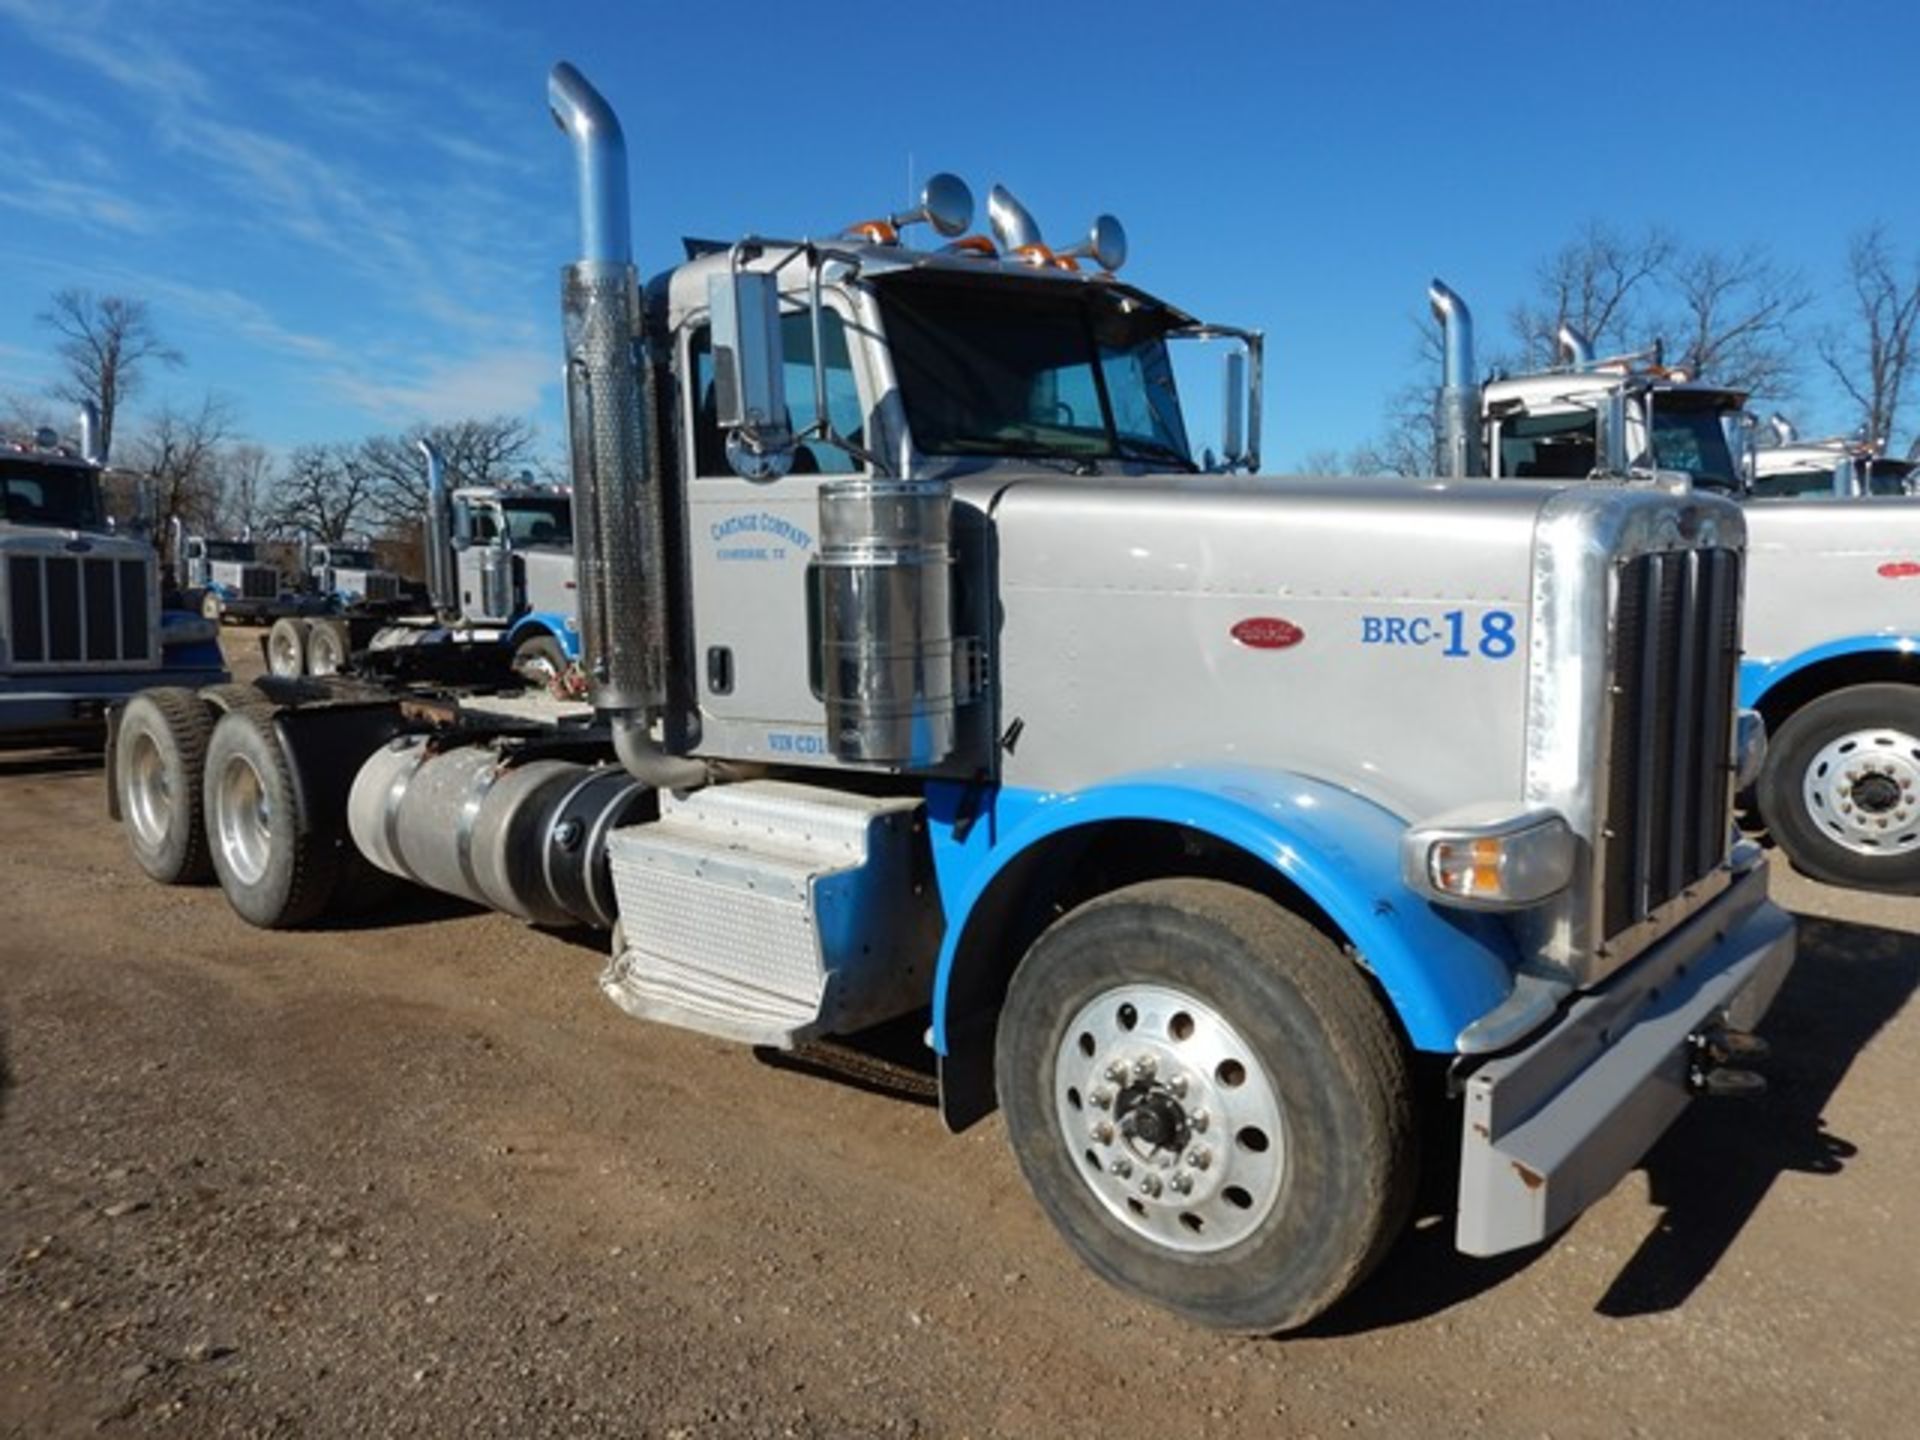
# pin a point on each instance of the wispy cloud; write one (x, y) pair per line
(242, 111)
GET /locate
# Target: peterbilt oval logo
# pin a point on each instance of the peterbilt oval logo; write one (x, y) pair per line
(1267, 632)
(1899, 570)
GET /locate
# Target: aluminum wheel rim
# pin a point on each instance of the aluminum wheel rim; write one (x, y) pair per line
(1176, 1122)
(323, 657)
(243, 820)
(283, 653)
(1863, 791)
(149, 794)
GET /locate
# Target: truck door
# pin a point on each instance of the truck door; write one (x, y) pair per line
(752, 546)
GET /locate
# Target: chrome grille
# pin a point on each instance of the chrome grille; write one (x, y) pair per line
(73, 610)
(1675, 656)
(259, 582)
(382, 586)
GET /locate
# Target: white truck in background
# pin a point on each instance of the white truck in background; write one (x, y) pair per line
(1831, 643)
(955, 693)
(1836, 468)
(500, 588)
(81, 623)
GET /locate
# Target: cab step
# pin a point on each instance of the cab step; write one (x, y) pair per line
(771, 912)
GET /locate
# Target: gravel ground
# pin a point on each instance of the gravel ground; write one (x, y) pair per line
(419, 1178)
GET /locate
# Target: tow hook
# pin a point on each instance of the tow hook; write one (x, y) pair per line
(1718, 1059)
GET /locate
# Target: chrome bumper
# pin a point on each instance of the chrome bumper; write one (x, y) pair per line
(1551, 1128)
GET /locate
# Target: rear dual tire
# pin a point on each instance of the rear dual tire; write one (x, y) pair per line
(278, 871)
(160, 752)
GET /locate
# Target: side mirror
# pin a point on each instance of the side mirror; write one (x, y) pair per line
(749, 380)
(1233, 429)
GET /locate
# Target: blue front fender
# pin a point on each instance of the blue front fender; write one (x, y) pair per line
(1758, 677)
(1440, 969)
(550, 622)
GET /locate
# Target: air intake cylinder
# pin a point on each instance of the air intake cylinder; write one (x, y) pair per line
(887, 621)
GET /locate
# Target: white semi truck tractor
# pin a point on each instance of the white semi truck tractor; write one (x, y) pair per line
(501, 591)
(1836, 468)
(1831, 646)
(81, 622)
(1224, 829)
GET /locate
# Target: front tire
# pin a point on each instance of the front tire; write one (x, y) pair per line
(278, 871)
(160, 753)
(212, 607)
(1209, 1102)
(1840, 790)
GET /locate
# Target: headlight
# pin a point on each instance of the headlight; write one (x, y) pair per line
(1489, 858)
(1749, 749)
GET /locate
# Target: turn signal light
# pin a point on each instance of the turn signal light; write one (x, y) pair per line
(1486, 859)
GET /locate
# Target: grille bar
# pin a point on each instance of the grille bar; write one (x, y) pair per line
(1676, 635)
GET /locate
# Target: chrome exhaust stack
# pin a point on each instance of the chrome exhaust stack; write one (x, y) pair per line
(91, 450)
(1459, 437)
(620, 505)
(442, 586)
(1783, 431)
(1576, 351)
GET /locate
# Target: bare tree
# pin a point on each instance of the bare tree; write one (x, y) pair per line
(1733, 317)
(1873, 360)
(1598, 283)
(478, 452)
(180, 450)
(323, 493)
(105, 345)
(246, 483)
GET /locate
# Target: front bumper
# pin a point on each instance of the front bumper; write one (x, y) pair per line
(1551, 1128)
(76, 704)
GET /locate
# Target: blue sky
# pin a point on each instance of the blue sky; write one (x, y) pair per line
(350, 214)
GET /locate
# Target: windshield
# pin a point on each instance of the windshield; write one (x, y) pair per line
(241, 550)
(342, 559)
(1813, 483)
(539, 520)
(1890, 477)
(1032, 370)
(64, 496)
(1692, 439)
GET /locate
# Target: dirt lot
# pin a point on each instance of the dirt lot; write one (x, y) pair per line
(419, 1178)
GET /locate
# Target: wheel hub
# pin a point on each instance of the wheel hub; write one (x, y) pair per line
(149, 796)
(1177, 1122)
(243, 820)
(1863, 790)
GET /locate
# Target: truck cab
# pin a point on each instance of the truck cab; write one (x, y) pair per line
(234, 583)
(513, 569)
(1832, 469)
(81, 623)
(348, 574)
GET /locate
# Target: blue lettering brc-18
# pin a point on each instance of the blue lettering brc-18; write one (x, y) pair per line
(1491, 639)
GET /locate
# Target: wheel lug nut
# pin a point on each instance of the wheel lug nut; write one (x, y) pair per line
(1177, 1087)
(1102, 1098)
(1182, 1182)
(1199, 1157)
(1150, 1186)
(1102, 1132)
(1117, 1072)
(1144, 1067)
(1122, 1167)
(1200, 1119)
